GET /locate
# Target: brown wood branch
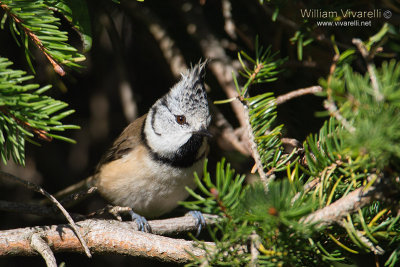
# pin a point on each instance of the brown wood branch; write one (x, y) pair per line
(103, 237)
(32, 186)
(336, 211)
(43, 248)
(362, 196)
(57, 67)
(171, 226)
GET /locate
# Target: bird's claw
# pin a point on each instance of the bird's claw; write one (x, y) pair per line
(200, 220)
(141, 221)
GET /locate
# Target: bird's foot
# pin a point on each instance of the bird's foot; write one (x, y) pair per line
(143, 224)
(200, 220)
(117, 211)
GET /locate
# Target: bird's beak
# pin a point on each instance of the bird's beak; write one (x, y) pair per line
(203, 132)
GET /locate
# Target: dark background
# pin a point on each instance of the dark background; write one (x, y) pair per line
(125, 49)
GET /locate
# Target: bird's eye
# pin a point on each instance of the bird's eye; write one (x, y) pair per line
(180, 119)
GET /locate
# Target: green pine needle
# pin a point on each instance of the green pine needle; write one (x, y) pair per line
(25, 112)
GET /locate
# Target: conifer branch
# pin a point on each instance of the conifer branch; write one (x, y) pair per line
(333, 111)
(47, 37)
(42, 134)
(168, 227)
(57, 67)
(25, 112)
(377, 250)
(254, 151)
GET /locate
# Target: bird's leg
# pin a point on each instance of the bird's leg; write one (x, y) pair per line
(141, 221)
(117, 211)
(200, 220)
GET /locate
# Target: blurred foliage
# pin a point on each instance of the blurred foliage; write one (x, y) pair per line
(137, 43)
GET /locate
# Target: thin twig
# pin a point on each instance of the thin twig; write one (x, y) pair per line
(38, 244)
(297, 93)
(36, 188)
(78, 196)
(333, 111)
(329, 103)
(264, 177)
(371, 68)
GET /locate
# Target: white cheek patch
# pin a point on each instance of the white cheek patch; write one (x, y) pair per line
(165, 143)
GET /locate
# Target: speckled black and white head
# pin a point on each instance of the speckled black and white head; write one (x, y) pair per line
(175, 130)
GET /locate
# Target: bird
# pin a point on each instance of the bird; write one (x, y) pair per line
(149, 166)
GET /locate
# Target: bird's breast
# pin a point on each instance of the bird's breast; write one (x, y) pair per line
(151, 188)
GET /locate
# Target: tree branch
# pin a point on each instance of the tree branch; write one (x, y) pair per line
(38, 244)
(335, 212)
(297, 93)
(107, 237)
(169, 227)
(36, 188)
(57, 67)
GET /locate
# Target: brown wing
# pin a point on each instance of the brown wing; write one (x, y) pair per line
(129, 139)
